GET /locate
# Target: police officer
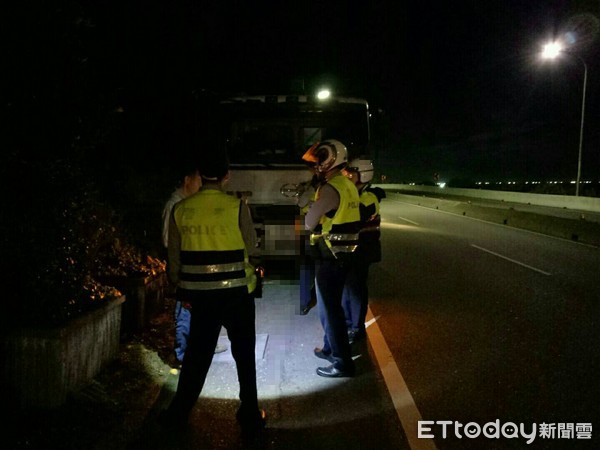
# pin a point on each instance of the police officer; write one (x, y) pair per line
(356, 293)
(334, 222)
(189, 184)
(211, 236)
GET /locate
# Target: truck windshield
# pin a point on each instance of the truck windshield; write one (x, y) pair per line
(263, 134)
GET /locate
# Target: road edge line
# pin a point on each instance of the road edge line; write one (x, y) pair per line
(405, 406)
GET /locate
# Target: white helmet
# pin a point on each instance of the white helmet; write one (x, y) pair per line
(364, 167)
(327, 155)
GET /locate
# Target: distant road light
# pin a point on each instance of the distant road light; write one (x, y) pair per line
(323, 94)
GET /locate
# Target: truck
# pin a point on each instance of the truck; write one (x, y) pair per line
(266, 136)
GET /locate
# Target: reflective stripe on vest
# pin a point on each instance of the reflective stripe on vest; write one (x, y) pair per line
(212, 285)
(213, 268)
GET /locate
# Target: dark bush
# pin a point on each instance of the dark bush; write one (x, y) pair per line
(59, 240)
(81, 195)
(56, 226)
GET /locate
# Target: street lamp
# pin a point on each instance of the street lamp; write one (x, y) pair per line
(323, 94)
(553, 50)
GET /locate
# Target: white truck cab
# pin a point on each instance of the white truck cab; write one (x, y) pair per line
(266, 138)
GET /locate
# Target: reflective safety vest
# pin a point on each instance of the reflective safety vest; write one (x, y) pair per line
(213, 253)
(369, 213)
(370, 233)
(340, 232)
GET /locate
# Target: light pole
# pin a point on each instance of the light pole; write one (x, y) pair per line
(551, 51)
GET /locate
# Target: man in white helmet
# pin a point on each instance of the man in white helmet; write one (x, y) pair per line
(356, 294)
(334, 222)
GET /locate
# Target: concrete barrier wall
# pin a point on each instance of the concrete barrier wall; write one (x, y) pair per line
(555, 201)
(41, 366)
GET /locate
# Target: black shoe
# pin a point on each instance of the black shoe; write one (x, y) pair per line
(319, 353)
(334, 372)
(251, 422)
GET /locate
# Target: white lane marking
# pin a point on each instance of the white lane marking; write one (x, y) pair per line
(368, 323)
(407, 411)
(406, 220)
(510, 259)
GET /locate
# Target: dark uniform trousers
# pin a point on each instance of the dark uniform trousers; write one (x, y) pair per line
(356, 295)
(330, 280)
(237, 315)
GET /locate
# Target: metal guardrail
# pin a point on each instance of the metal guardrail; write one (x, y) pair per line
(591, 204)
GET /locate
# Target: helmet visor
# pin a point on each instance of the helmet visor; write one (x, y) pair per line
(310, 156)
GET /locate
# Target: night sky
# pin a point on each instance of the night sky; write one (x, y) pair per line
(454, 87)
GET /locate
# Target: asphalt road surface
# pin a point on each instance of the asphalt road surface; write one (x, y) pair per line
(490, 323)
(471, 323)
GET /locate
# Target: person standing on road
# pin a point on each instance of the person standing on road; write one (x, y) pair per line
(211, 239)
(308, 295)
(189, 184)
(356, 293)
(334, 223)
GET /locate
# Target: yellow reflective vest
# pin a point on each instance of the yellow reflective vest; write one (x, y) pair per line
(369, 248)
(340, 232)
(213, 253)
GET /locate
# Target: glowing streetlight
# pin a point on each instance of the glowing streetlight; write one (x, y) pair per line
(551, 51)
(323, 94)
